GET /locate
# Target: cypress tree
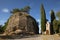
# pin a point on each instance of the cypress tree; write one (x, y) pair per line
(52, 16)
(52, 19)
(58, 16)
(55, 26)
(43, 19)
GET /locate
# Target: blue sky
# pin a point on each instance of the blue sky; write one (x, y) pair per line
(7, 5)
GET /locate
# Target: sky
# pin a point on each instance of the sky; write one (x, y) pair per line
(7, 5)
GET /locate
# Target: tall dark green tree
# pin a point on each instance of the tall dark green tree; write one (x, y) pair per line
(52, 19)
(58, 15)
(55, 26)
(43, 19)
(52, 16)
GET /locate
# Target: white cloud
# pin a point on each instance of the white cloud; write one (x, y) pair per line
(5, 10)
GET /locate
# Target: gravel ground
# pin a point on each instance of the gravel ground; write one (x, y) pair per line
(38, 37)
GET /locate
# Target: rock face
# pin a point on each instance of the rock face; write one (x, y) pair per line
(22, 21)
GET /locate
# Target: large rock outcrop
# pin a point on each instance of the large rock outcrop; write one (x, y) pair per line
(22, 22)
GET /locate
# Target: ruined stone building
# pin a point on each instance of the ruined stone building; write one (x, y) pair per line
(47, 28)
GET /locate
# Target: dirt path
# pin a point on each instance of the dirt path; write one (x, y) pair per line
(40, 37)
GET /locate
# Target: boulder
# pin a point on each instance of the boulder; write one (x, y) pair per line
(22, 21)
